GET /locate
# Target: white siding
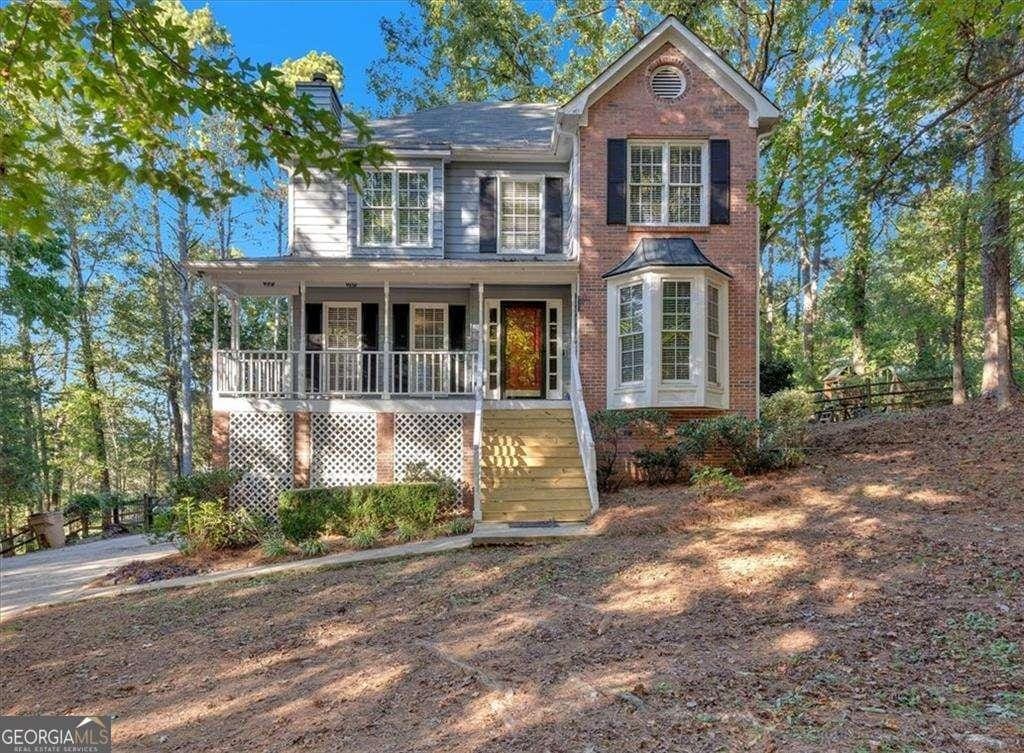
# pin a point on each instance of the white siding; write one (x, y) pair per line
(319, 217)
(462, 201)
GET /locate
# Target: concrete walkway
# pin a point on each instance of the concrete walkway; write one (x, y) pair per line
(412, 549)
(52, 575)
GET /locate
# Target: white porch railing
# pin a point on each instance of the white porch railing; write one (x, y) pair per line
(343, 373)
(584, 437)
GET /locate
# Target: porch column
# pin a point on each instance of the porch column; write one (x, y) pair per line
(386, 394)
(235, 339)
(302, 340)
(481, 329)
(215, 346)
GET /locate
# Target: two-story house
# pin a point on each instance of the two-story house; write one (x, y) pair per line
(518, 267)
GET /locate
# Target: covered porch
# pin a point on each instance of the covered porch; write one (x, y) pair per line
(395, 330)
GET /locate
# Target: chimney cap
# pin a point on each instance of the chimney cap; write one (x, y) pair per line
(320, 77)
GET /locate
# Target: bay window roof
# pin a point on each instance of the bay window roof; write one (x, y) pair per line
(663, 252)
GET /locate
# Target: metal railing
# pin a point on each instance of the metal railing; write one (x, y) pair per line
(343, 373)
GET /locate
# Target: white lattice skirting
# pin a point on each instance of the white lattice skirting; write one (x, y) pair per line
(434, 439)
(260, 446)
(343, 449)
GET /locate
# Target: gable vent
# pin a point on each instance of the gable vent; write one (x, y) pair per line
(667, 82)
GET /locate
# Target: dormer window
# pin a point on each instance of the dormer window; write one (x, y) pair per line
(668, 183)
(394, 208)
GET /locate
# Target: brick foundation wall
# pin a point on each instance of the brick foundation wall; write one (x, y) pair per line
(705, 111)
(220, 439)
(467, 462)
(302, 448)
(385, 448)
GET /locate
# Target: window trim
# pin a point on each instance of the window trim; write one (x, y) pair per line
(641, 331)
(705, 177)
(412, 325)
(540, 180)
(690, 380)
(395, 171)
(327, 306)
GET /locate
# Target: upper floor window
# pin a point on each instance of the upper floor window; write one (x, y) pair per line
(631, 333)
(675, 330)
(668, 183)
(519, 215)
(395, 208)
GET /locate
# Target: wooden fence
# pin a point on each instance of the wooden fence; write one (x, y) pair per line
(135, 516)
(854, 400)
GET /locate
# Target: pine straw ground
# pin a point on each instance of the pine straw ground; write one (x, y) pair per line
(870, 601)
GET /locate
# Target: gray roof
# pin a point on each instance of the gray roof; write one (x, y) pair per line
(471, 124)
(663, 252)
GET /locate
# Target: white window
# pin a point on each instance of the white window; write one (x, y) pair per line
(341, 325)
(429, 326)
(631, 333)
(675, 330)
(395, 208)
(519, 215)
(713, 334)
(668, 183)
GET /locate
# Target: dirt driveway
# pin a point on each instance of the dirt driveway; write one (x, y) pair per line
(57, 574)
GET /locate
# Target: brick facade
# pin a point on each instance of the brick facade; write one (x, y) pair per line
(705, 111)
(385, 448)
(302, 447)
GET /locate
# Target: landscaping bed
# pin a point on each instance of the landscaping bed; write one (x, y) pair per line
(871, 600)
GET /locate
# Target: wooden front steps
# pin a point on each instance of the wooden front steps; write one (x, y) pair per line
(531, 468)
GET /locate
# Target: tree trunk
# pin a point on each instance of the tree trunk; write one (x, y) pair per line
(171, 377)
(997, 371)
(769, 306)
(186, 339)
(88, 353)
(34, 418)
(959, 298)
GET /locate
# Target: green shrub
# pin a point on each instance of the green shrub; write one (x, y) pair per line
(660, 466)
(312, 547)
(713, 482)
(406, 530)
(786, 416)
(460, 526)
(449, 499)
(305, 513)
(210, 525)
(366, 538)
(207, 485)
(610, 428)
(274, 544)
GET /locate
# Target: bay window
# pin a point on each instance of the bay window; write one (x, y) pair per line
(394, 208)
(675, 330)
(631, 333)
(713, 334)
(519, 215)
(668, 183)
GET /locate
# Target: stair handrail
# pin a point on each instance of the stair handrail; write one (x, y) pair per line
(584, 437)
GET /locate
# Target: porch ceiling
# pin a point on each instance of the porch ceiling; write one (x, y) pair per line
(283, 275)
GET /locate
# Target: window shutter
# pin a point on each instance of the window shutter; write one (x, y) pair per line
(616, 182)
(400, 330)
(719, 199)
(488, 215)
(314, 325)
(369, 333)
(456, 327)
(552, 215)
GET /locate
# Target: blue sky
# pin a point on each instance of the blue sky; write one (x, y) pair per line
(269, 31)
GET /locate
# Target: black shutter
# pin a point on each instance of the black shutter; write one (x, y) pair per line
(552, 215)
(400, 329)
(369, 332)
(314, 325)
(488, 215)
(456, 327)
(616, 182)
(719, 209)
